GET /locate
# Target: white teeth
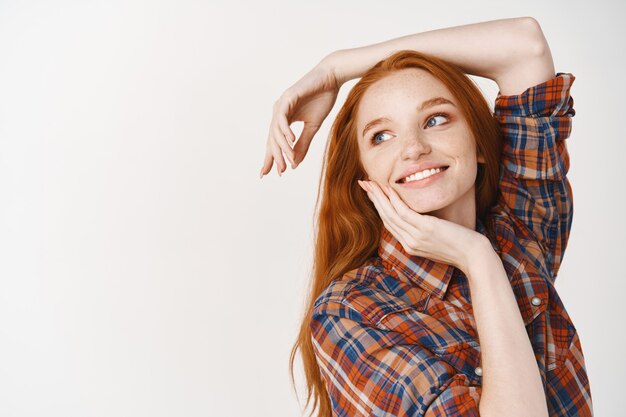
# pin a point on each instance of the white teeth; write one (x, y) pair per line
(421, 175)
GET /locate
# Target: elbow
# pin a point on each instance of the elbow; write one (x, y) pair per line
(530, 29)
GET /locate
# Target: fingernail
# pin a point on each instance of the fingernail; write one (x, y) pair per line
(261, 173)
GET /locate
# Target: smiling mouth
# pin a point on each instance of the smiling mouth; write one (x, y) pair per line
(403, 180)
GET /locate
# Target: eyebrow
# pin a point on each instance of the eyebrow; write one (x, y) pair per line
(433, 101)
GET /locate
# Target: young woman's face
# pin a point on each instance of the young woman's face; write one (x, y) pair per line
(412, 133)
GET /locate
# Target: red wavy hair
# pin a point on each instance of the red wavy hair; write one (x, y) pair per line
(348, 226)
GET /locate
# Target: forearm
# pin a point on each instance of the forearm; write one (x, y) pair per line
(486, 49)
(511, 380)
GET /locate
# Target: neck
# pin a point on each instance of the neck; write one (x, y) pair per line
(462, 211)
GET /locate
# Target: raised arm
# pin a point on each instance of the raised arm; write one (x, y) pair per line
(512, 52)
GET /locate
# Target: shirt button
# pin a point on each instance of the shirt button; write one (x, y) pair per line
(536, 301)
(479, 371)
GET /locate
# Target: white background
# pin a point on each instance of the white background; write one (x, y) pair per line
(145, 270)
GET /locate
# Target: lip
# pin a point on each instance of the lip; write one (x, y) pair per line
(412, 169)
(424, 182)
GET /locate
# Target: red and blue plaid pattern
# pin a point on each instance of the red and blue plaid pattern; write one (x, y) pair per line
(397, 337)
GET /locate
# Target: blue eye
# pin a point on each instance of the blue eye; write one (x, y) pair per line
(374, 142)
(428, 124)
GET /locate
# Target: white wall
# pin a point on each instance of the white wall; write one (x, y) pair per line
(145, 270)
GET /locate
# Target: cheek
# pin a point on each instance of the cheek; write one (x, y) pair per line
(467, 162)
(465, 152)
(365, 163)
(377, 167)
(470, 174)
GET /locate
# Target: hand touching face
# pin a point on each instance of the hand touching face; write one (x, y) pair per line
(423, 235)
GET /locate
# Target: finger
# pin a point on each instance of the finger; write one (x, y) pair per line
(387, 222)
(384, 207)
(281, 166)
(283, 124)
(304, 142)
(279, 139)
(281, 109)
(383, 199)
(412, 218)
(269, 158)
(413, 224)
(397, 225)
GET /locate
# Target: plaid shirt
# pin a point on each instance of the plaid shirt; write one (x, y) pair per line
(397, 336)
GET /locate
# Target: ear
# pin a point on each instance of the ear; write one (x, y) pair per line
(480, 158)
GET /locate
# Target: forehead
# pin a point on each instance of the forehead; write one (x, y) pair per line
(407, 87)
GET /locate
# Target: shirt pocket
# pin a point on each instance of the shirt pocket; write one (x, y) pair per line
(447, 331)
(448, 334)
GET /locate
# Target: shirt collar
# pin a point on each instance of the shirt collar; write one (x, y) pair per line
(430, 275)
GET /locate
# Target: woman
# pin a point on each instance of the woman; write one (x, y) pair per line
(433, 285)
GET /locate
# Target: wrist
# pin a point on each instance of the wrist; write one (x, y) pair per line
(478, 255)
(352, 63)
(331, 64)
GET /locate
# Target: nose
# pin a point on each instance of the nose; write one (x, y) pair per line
(413, 145)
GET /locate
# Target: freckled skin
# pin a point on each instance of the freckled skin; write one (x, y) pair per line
(408, 140)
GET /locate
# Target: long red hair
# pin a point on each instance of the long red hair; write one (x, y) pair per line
(348, 226)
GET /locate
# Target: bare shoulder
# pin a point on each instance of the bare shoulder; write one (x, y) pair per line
(532, 64)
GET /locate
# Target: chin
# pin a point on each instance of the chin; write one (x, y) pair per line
(428, 199)
(428, 207)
